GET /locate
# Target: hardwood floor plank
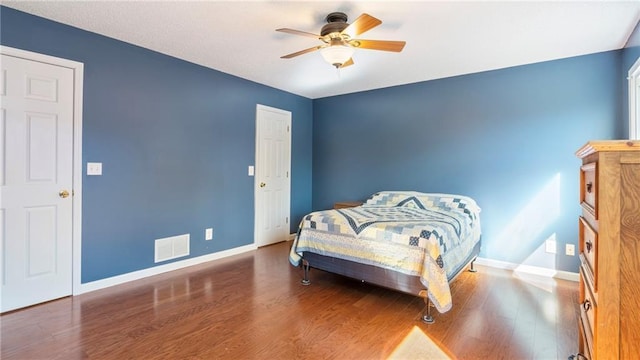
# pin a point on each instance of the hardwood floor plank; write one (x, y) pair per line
(252, 306)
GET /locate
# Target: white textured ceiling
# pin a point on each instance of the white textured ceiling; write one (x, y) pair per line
(444, 38)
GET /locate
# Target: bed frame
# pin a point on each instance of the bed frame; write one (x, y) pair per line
(409, 284)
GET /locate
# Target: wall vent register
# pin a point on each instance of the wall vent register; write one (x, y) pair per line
(171, 247)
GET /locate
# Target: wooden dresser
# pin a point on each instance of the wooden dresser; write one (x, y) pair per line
(609, 250)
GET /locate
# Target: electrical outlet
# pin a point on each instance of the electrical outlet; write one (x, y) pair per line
(208, 234)
(570, 249)
(550, 246)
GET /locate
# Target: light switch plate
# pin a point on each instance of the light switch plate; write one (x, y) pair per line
(94, 168)
(251, 170)
(208, 234)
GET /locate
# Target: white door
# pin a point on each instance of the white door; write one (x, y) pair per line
(272, 175)
(36, 177)
(634, 101)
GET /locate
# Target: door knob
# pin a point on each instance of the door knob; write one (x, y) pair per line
(63, 193)
(262, 184)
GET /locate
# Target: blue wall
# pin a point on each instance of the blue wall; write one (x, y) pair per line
(175, 140)
(506, 137)
(630, 54)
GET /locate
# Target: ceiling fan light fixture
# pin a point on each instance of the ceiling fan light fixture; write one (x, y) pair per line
(337, 55)
(339, 39)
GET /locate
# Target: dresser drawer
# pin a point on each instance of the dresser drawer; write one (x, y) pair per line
(588, 244)
(589, 188)
(588, 306)
(586, 341)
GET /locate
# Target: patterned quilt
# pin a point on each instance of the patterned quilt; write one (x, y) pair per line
(427, 235)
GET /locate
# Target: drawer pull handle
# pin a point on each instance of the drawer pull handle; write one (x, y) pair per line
(589, 245)
(586, 305)
(589, 187)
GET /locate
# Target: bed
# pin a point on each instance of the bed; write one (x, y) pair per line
(408, 241)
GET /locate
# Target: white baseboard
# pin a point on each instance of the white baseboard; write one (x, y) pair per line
(156, 270)
(291, 237)
(528, 269)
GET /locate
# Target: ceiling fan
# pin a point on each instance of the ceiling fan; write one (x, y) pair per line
(339, 42)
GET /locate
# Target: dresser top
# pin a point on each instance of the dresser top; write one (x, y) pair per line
(608, 145)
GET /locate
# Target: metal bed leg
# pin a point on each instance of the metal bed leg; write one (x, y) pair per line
(305, 266)
(426, 317)
(472, 268)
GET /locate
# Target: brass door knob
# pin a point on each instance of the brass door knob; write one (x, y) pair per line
(63, 193)
(262, 184)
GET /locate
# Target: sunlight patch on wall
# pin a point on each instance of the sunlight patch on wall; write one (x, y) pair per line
(540, 275)
(540, 258)
(528, 226)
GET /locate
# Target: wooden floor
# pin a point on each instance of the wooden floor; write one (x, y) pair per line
(252, 306)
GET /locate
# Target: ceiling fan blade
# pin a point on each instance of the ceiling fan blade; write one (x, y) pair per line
(395, 46)
(364, 22)
(347, 63)
(301, 52)
(298, 32)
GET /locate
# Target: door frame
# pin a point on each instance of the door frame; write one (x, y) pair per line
(256, 188)
(78, 78)
(634, 122)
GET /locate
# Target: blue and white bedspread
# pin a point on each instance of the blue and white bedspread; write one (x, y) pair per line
(426, 235)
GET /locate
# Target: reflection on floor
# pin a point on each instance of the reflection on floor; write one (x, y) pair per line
(252, 306)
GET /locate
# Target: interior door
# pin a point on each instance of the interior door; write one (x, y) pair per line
(272, 175)
(36, 177)
(634, 101)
